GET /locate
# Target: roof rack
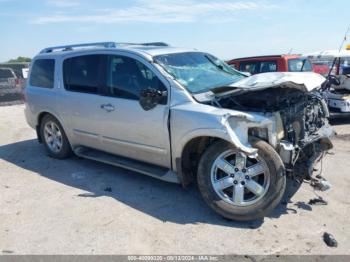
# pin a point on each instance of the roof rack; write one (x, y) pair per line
(70, 47)
(99, 44)
(151, 44)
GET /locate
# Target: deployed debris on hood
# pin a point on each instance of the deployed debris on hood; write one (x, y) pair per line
(304, 81)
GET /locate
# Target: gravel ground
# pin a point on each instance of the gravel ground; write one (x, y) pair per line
(78, 206)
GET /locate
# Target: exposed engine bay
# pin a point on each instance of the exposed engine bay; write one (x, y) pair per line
(302, 116)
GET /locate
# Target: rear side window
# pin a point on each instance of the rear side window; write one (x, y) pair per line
(268, 66)
(257, 67)
(6, 73)
(42, 74)
(250, 67)
(81, 74)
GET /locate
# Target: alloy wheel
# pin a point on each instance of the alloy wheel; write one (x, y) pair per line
(238, 179)
(53, 136)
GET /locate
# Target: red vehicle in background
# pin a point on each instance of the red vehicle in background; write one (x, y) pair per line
(320, 67)
(273, 63)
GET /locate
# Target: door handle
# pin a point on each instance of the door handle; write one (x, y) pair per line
(107, 107)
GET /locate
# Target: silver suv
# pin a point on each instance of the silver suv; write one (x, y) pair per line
(181, 115)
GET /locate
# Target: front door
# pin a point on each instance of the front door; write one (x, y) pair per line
(127, 129)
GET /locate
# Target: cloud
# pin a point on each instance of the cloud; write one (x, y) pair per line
(157, 11)
(62, 3)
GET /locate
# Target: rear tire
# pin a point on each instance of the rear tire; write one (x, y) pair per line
(54, 138)
(249, 197)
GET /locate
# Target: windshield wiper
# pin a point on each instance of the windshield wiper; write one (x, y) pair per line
(221, 67)
(302, 66)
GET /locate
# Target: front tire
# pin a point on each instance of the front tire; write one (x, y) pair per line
(239, 187)
(54, 138)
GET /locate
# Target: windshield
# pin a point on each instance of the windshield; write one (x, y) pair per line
(198, 72)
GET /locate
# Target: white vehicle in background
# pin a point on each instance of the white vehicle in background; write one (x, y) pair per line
(338, 94)
(25, 72)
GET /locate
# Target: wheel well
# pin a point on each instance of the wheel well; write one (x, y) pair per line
(40, 118)
(191, 155)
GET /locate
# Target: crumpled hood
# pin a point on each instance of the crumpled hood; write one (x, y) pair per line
(306, 80)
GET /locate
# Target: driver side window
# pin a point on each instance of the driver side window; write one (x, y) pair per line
(126, 77)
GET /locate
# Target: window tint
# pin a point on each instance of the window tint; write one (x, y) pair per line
(299, 64)
(126, 77)
(81, 74)
(5, 73)
(268, 66)
(42, 74)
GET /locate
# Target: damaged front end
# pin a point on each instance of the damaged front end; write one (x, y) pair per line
(294, 119)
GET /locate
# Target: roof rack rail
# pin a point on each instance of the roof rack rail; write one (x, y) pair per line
(146, 44)
(99, 44)
(70, 47)
(155, 44)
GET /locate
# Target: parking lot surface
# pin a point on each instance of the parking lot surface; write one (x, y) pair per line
(78, 206)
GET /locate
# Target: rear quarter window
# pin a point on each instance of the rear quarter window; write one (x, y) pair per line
(42, 74)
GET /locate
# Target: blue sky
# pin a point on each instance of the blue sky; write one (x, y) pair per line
(225, 28)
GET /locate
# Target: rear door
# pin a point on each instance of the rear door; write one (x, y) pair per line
(81, 99)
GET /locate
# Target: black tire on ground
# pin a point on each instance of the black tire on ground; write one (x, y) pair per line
(65, 150)
(256, 210)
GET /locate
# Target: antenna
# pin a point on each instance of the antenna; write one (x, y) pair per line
(340, 48)
(344, 39)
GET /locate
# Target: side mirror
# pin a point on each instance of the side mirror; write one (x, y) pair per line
(151, 97)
